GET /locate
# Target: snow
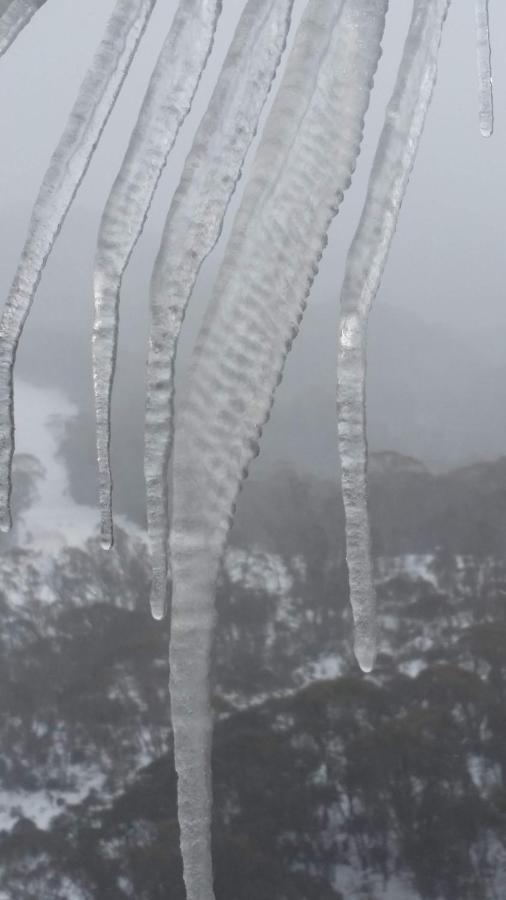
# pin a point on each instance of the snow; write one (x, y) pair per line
(54, 520)
(416, 566)
(326, 668)
(412, 667)
(485, 776)
(41, 806)
(259, 571)
(391, 888)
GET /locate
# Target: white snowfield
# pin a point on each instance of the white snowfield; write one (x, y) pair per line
(54, 520)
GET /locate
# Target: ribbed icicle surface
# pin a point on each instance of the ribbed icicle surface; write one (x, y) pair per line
(303, 166)
(14, 16)
(486, 99)
(193, 226)
(66, 170)
(395, 156)
(167, 103)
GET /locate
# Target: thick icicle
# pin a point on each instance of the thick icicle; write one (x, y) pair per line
(303, 166)
(66, 170)
(192, 228)
(405, 118)
(167, 103)
(486, 98)
(14, 16)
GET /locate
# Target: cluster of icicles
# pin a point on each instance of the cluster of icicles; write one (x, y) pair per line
(303, 165)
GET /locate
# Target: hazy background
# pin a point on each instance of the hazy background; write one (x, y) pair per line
(437, 363)
(328, 784)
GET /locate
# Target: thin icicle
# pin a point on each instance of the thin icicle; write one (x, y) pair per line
(398, 145)
(14, 16)
(66, 170)
(192, 228)
(303, 166)
(486, 98)
(167, 103)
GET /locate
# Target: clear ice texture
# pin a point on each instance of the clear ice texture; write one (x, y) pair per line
(303, 166)
(395, 156)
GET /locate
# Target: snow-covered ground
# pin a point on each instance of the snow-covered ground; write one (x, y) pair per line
(54, 520)
(41, 806)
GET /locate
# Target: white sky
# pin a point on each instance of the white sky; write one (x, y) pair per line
(447, 263)
(448, 259)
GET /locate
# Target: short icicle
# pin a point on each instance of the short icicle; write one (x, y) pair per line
(193, 226)
(67, 168)
(302, 168)
(14, 16)
(395, 156)
(167, 103)
(486, 97)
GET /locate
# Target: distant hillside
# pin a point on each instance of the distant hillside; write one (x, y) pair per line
(328, 785)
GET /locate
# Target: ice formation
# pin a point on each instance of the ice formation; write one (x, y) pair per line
(486, 100)
(303, 165)
(14, 15)
(67, 168)
(302, 168)
(167, 102)
(192, 228)
(398, 145)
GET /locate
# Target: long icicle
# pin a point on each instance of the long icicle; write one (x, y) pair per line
(193, 226)
(67, 168)
(486, 97)
(167, 103)
(303, 166)
(14, 16)
(395, 156)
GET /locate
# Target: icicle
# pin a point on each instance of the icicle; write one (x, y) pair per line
(167, 103)
(405, 119)
(303, 166)
(66, 170)
(486, 97)
(192, 228)
(14, 16)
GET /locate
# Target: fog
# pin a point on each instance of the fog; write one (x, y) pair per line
(437, 362)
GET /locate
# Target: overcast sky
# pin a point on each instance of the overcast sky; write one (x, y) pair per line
(448, 262)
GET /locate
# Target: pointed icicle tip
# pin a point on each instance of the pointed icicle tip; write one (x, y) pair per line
(365, 654)
(159, 597)
(106, 538)
(5, 526)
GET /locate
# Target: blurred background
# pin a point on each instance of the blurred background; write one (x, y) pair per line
(328, 783)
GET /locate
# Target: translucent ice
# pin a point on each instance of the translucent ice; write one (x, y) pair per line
(192, 228)
(66, 170)
(303, 166)
(398, 145)
(166, 105)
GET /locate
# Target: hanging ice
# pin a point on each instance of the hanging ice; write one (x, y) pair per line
(398, 145)
(14, 15)
(166, 105)
(192, 228)
(66, 170)
(303, 166)
(486, 100)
